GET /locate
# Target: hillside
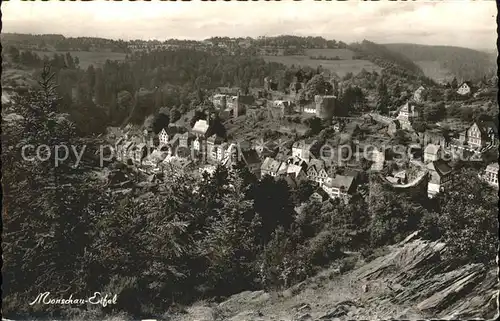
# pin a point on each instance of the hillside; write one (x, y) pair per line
(463, 63)
(340, 67)
(50, 42)
(385, 58)
(408, 281)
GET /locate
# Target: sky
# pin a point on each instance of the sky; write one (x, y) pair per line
(451, 22)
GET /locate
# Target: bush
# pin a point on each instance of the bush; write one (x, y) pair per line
(429, 226)
(347, 264)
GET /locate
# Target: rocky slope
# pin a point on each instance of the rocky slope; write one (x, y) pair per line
(410, 282)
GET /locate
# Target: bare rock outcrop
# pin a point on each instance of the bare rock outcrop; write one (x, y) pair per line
(411, 281)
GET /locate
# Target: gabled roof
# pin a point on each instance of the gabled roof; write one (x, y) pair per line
(186, 135)
(432, 149)
(294, 170)
(214, 139)
(318, 164)
(270, 165)
(296, 161)
(311, 170)
(174, 139)
(200, 127)
(266, 164)
(251, 157)
(156, 156)
(401, 174)
(440, 167)
(407, 107)
(320, 194)
(493, 167)
(341, 181)
(246, 99)
(282, 168)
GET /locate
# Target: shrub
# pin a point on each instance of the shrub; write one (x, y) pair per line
(347, 264)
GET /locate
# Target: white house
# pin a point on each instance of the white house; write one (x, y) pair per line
(439, 177)
(310, 109)
(302, 149)
(490, 174)
(339, 186)
(465, 89)
(432, 153)
(163, 137)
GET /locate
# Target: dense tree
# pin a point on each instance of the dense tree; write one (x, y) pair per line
(175, 115)
(464, 211)
(51, 205)
(14, 54)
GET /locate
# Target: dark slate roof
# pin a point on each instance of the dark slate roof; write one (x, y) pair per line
(440, 166)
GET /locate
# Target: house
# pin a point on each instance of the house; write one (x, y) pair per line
(393, 127)
(302, 149)
(270, 167)
(401, 177)
(465, 89)
(295, 160)
(417, 95)
(407, 113)
(319, 195)
(317, 171)
(252, 161)
(124, 153)
(439, 177)
(339, 186)
(282, 170)
(432, 153)
(163, 137)
(295, 175)
(239, 103)
(198, 145)
(186, 139)
(266, 149)
(480, 134)
(285, 107)
(433, 136)
(378, 159)
(221, 152)
(309, 109)
(175, 163)
(226, 113)
(200, 128)
(248, 157)
(155, 158)
(174, 142)
(490, 174)
(140, 152)
(219, 101)
(118, 147)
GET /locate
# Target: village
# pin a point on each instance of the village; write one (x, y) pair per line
(429, 156)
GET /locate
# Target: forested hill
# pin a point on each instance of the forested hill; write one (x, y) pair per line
(49, 42)
(463, 63)
(385, 58)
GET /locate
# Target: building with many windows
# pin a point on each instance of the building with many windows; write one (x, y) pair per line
(490, 174)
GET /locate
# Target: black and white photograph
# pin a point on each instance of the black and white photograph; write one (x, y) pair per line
(249, 160)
